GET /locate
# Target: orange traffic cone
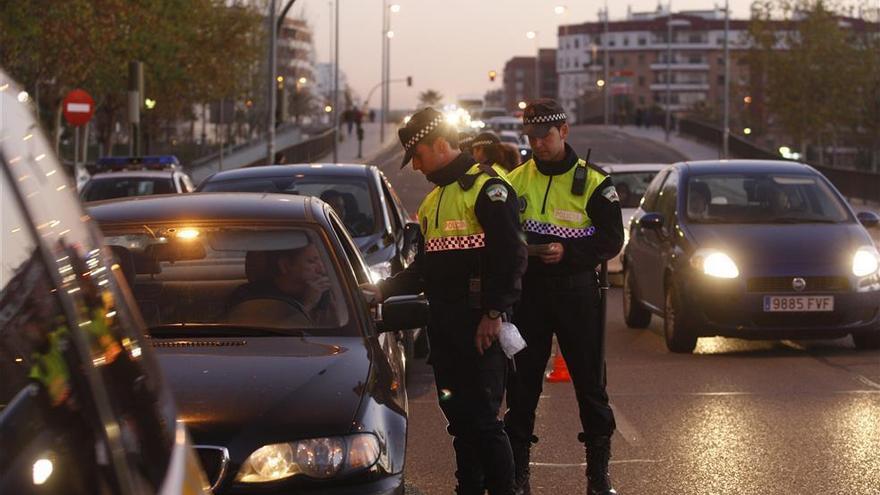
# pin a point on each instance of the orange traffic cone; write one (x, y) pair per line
(560, 370)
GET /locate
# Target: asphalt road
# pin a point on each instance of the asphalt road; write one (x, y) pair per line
(736, 417)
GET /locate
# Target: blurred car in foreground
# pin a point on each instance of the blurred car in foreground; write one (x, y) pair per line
(83, 407)
(284, 378)
(362, 197)
(122, 177)
(630, 180)
(751, 249)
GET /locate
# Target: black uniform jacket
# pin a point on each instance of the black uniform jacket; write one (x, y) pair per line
(444, 276)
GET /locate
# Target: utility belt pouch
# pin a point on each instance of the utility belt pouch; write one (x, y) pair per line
(474, 293)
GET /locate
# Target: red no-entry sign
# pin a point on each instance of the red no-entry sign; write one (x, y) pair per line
(78, 107)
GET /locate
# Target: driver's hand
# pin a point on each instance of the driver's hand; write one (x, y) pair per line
(371, 293)
(487, 333)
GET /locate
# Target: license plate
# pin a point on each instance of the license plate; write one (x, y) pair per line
(796, 304)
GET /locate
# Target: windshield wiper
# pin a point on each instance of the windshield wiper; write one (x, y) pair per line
(180, 330)
(799, 220)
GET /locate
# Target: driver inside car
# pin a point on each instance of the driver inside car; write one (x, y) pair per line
(287, 288)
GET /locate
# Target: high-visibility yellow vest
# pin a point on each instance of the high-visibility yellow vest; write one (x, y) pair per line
(548, 204)
(447, 216)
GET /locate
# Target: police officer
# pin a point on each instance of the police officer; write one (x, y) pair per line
(571, 217)
(470, 260)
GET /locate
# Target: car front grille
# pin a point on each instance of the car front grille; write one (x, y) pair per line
(784, 284)
(214, 462)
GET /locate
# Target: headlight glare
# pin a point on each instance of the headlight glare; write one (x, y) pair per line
(715, 264)
(865, 262)
(315, 457)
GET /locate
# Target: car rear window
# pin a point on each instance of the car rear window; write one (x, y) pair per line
(631, 186)
(350, 198)
(110, 188)
(762, 198)
(210, 278)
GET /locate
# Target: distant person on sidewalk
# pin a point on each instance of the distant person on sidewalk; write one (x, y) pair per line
(372, 116)
(348, 117)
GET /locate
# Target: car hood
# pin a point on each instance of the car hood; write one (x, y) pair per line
(784, 249)
(246, 392)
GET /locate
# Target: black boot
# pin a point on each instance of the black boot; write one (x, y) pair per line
(598, 454)
(521, 470)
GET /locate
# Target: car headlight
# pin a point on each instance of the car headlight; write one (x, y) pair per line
(316, 458)
(715, 264)
(380, 271)
(865, 262)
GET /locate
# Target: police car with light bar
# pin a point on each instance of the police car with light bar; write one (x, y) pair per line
(121, 177)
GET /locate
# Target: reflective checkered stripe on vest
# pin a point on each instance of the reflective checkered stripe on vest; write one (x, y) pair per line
(447, 215)
(550, 206)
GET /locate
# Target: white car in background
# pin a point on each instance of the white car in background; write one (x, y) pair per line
(630, 180)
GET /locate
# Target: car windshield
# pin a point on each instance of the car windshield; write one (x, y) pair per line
(231, 279)
(762, 198)
(121, 187)
(631, 186)
(351, 198)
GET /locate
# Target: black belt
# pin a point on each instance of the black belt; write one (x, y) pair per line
(577, 280)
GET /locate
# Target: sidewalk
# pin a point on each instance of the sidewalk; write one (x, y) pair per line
(693, 150)
(347, 150)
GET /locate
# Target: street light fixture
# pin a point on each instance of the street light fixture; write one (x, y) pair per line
(533, 35)
(559, 9)
(600, 83)
(387, 34)
(522, 105)
(303, 80)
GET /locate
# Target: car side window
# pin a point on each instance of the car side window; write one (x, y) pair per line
(649, 200)
(46, 410)
(392, 206)
(351, 252)
(667, 199)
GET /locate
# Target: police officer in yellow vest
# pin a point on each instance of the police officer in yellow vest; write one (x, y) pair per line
(469, 264)
(571, 216)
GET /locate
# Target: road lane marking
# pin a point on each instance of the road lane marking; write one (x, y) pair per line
(625, 427)
(584, 464)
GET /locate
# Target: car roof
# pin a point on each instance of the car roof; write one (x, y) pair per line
(129, 174)
(633, 167)
(745, 167)
(208, 207)
(332, 169)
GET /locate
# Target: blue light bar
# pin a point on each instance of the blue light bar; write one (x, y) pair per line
(153, 162)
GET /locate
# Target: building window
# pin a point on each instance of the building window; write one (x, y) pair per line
(721, 79)
(611, 61)
(641, 58)
(643, 42)
(624, 62)
(577, 43)
(626, 41)
(610, 41)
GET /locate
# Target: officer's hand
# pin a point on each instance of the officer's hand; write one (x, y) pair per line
(371, 293)
(554, 253)
(487, 333)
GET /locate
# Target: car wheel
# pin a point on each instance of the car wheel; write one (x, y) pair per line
(680, 336)
(635, 314)
(866, 340)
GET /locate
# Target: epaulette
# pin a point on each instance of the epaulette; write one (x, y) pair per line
(467, 181)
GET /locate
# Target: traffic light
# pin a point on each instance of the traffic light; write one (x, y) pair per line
(409, 81)
(492, 75)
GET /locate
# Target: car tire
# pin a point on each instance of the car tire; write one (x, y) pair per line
(677, 329)
(635, 314)
(866, 341)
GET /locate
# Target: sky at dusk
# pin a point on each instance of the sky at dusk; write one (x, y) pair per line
(450, 45)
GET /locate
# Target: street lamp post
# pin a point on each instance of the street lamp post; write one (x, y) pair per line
(725, 145)
(533, 35)
(668, 70)
(387, 34)
(336, 83)
(606, 88)
(270, 96)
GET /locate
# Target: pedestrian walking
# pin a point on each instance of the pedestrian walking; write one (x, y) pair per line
(348, 116)
(571, 217)
(470, 260)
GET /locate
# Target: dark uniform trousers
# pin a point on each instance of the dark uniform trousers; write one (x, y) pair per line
(568, 306)
(470, 388)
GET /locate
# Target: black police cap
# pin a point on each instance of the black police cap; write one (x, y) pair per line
(421, 125)
(541, 115)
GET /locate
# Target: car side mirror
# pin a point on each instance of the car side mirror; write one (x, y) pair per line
(403, 313)
(868, 218)
(411, 232)
(651, 221)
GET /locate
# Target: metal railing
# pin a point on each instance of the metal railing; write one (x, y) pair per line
(308, 150)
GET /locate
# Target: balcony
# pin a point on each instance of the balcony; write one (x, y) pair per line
(679, 66)
(676, 86)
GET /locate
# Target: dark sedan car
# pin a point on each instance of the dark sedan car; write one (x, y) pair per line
(361, 196)
(284, 377)
(751, 249)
